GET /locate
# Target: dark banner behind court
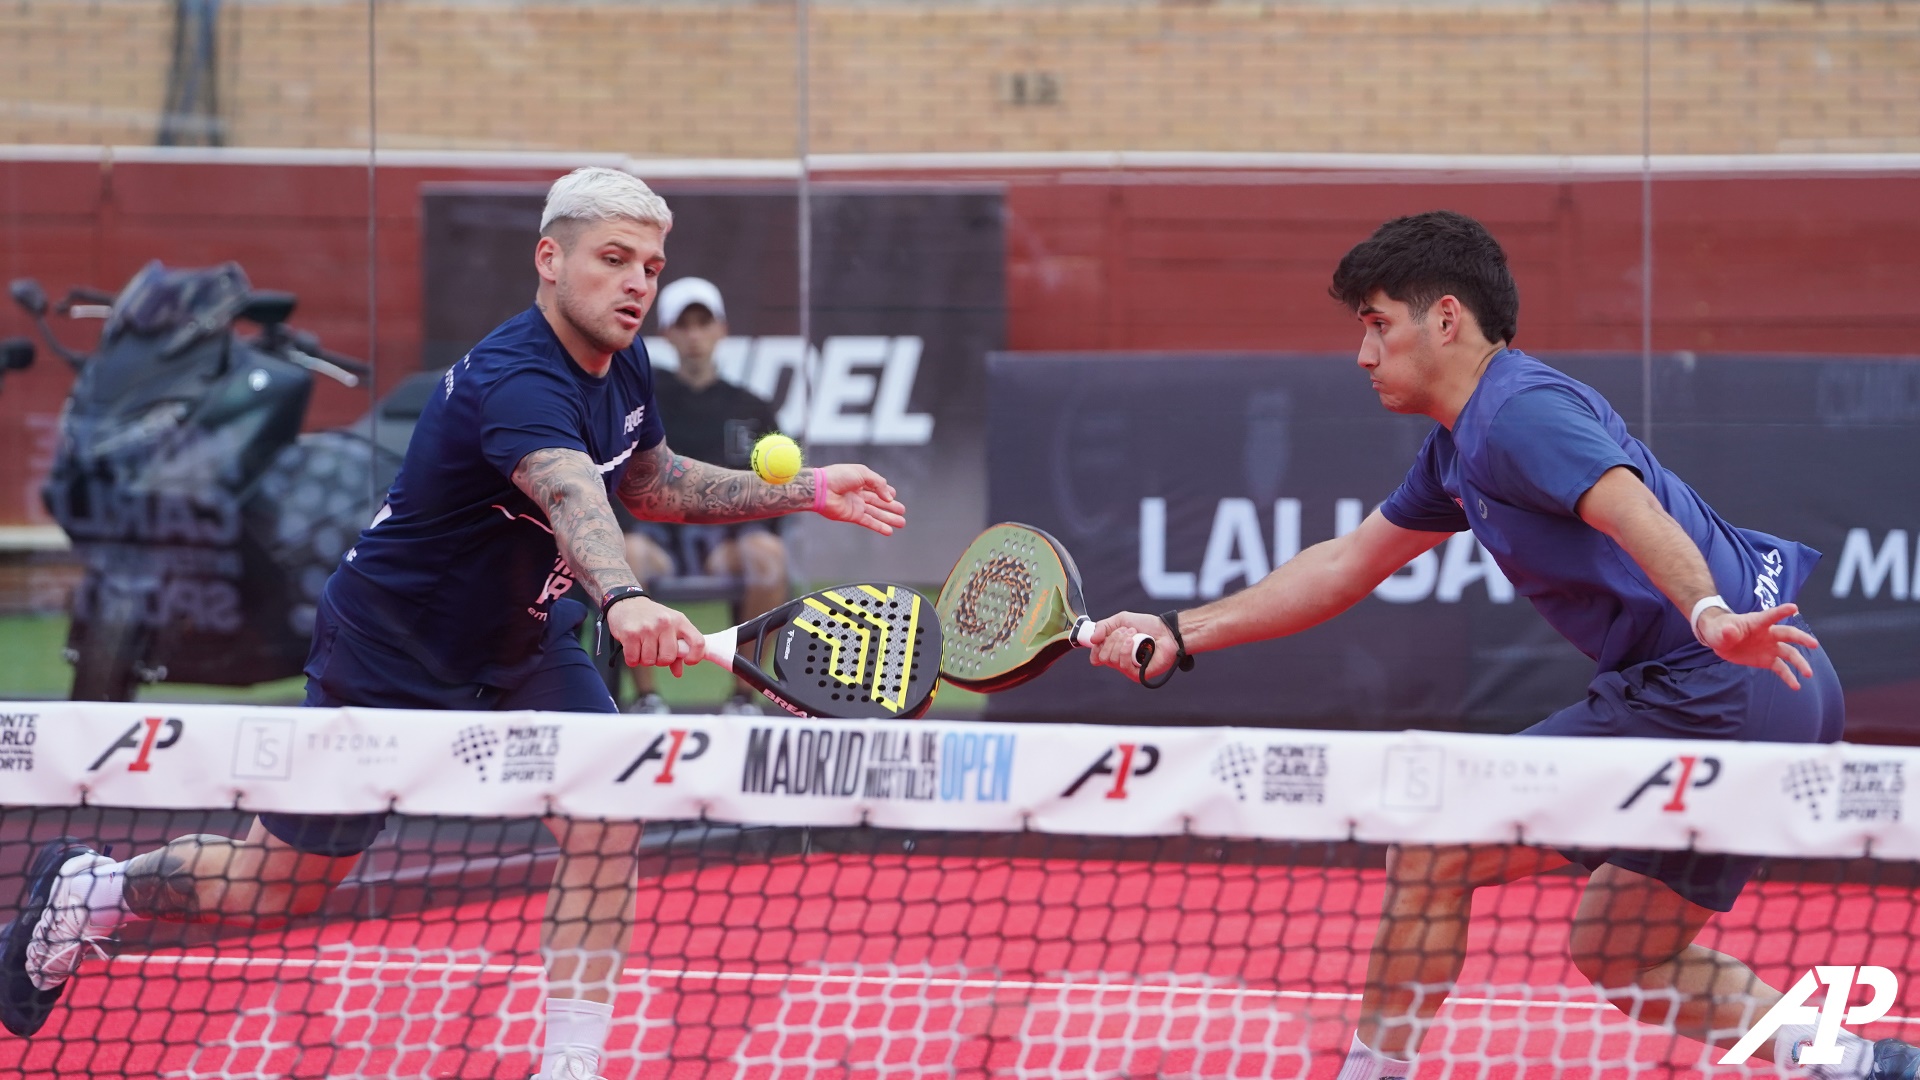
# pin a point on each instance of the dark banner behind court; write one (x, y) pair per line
(907, 298)
(1176, 479)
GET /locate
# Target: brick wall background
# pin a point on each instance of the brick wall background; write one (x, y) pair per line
(718, 79)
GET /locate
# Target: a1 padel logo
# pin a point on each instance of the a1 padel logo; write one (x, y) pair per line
(1792, 1008)
(1122, 761)
(1679, 775)
(143, 738)
(669, 748)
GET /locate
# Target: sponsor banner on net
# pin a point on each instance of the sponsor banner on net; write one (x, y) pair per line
(1756, 798)
(1125, 781)
(137, 754)
(1293, 783)
(915, 775)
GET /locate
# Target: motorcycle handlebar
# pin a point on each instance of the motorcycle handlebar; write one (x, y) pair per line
(341, 369)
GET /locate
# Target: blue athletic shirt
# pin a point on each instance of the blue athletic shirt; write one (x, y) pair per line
(459, 568)
(1529, 443)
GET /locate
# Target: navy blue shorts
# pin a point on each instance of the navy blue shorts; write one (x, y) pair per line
(345, 668)
(1719, 701)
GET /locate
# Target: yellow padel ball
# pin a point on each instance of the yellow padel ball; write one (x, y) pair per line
(776, 459)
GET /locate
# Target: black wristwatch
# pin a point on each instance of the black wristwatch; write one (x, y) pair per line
(614, 595)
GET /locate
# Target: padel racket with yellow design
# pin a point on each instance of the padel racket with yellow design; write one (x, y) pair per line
(1011, 607)
(868, 651)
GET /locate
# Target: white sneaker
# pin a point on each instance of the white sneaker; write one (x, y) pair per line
(650, 704)
(60, 940)
(572, 1065)
(741, 705)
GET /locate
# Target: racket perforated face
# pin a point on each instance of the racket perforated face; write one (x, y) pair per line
(856, 652)
(1007, 608)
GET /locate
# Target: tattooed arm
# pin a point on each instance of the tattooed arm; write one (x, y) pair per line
(567, 488)
(660, 485)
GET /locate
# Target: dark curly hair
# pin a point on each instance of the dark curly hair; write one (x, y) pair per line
(1420, 258)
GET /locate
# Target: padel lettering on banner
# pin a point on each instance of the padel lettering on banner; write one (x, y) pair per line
(1677, 775)
(143, 738)
(1122, 762)
(908, 764)
(669, 748)
(1792, 1008)
(860, 387)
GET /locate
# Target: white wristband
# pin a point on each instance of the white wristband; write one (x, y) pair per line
(1699, 609)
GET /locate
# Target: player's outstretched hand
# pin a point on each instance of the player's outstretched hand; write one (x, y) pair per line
(655, 635)
(859, 496)
(1112, 639)
(1760, 639)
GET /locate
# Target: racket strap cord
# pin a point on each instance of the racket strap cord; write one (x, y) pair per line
(1182, 661)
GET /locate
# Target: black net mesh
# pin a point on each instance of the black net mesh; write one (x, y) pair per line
(863, 952)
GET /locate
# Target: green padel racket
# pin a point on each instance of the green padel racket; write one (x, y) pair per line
(867, 651)
(1011, 607)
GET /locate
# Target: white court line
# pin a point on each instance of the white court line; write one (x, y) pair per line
(672, 974)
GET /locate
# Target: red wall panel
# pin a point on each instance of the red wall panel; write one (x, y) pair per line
(1812, 264)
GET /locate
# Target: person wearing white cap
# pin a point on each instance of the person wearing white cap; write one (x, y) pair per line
(710, 420)
(464, 593)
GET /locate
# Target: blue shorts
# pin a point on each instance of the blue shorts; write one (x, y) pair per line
(346, 668)
(1719, 701)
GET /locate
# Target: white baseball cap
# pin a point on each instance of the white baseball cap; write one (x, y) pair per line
(687, 291)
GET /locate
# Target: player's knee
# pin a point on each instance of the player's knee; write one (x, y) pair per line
(646, 558)
(1592, 961)
(588, 837)
(763, 559)
(1411, 866)
(1600, 954)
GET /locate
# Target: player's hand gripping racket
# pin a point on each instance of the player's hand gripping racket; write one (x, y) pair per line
(1011, 607)
(854, 652)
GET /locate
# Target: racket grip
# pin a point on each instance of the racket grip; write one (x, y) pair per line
(1082, 626)
(722, 646)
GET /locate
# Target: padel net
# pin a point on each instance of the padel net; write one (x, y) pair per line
(934, 898)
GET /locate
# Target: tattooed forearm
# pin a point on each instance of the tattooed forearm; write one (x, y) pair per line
(660, 485)
(568, 489)
(161, 885)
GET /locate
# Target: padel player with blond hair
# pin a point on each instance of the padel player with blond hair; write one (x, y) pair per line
(453, 599)
(1690, 620)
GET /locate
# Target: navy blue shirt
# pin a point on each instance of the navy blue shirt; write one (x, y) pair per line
(1529, 443)
(459, 569)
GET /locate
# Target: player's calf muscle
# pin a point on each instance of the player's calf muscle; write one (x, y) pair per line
(165, 883)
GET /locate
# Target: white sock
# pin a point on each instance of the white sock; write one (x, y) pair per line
(1856, 1053)
(97, 884)
(1365, 1064)
(575, 1025)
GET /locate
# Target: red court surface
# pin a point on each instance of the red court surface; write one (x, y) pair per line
(888, 967)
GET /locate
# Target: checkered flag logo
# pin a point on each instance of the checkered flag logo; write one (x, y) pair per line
(1233, 764)
(1809, 782)
(475, 746)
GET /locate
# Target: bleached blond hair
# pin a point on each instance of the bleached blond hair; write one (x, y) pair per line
(599, 194)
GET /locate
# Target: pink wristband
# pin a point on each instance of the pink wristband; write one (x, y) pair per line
(819, 492)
